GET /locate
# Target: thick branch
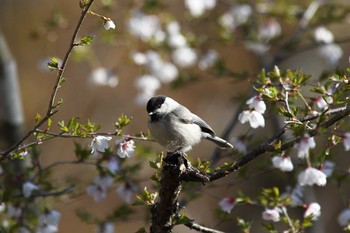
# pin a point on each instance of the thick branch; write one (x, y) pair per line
(199, 228)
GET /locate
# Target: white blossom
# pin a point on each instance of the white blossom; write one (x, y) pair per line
(257, 104)
(297, 195)
(177, 40)
(314, 210)
(311, 176)
(320, 102)
(236, 16)
(344, 217)
(28, 187)
(254, 118)
(126, 191)
(103, 77)
(108, 24)
(208, 60)
(346, 140)
(125, 147)
(271, 214)
(304, 145)
(107, 227)
(139, 58)
(173, 27)
(226, 204)
(269, 30)
(147, 83)
(323, 35)
(331, 53)
(198, 7)
(48, 222)
(328, 168)
(167, 73)
(99, 143)
(113, 165)
(184, 56)
(239, 145)
(257, 47)
(284, 163)
(13, 211)
(146, 27)
(98, 190)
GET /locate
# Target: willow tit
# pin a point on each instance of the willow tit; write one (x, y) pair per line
(176, 128)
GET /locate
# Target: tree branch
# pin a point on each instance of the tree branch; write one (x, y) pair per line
(51, 107)
(269, 147)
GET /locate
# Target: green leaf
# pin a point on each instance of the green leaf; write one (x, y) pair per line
(38, 118)
(86, 40)
(53, 64)
(183, 219)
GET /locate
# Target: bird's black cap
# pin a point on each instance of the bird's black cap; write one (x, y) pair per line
(155, 103)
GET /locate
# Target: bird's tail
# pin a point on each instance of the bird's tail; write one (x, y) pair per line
(221, 143)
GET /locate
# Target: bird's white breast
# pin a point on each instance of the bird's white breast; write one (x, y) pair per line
(175, 135)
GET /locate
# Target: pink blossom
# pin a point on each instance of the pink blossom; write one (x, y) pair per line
(271, 214)
(227, 204)
(125, 147)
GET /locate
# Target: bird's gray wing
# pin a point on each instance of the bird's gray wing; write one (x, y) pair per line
(187, 117)
(204, 126)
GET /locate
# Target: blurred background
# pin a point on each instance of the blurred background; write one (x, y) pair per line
(37, 30)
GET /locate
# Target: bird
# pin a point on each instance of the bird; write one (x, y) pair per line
(176, 128)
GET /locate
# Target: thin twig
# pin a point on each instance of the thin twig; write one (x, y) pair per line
(51, 107)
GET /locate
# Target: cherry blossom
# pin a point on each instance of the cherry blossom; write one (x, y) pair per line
(99, 143)
(126, 191)
(226, 204)
(198, 7)
(311, 176)
(184, 57)
(98, 190)
(320, 102)
(107, 227)
(271, 214)
(125, 147)
(48, 222)
(254, 118)
(344, 217)
(103, 77)
(323, 35)
(304, 145)
(108, 24)
(328, 168)
(346, 140)
(269, 30)
(237, 15)
(13, 211)
(284, 163)
(146, 27)
(208, 60)
(314, 210)
(28, 187)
